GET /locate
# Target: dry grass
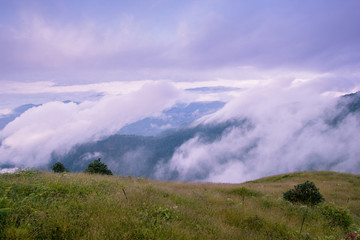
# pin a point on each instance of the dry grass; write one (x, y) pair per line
(43, 205)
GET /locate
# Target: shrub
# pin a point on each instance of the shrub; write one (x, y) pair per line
(306, 193)
(337, 216)
(98, 167)
(58, 167)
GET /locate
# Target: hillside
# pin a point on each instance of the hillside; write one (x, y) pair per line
(238, 141)
(43, 205)
(139, 155)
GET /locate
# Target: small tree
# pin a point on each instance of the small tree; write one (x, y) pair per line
(58, 167)
(98, 167)
(306, 193)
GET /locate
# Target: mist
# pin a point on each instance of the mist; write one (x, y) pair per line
(287, 126)
(55, 127)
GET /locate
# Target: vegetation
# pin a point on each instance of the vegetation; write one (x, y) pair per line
(58, 167)
(244, 192)
(98, 167)
(161, 147)
(306, 193)
(44, 205)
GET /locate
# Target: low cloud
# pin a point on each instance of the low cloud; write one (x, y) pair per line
(285, 129)
(55, 127)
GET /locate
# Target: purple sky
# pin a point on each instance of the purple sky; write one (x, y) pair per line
(70, 42)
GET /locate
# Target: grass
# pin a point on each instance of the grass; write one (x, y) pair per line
(44, 205)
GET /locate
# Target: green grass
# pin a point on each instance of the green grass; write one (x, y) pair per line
(43, 205)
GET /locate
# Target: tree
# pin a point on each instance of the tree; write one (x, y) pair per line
(58, 167)
(306, 193)
(98, 167)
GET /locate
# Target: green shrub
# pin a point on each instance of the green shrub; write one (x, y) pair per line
(337, 216)
(98, 167)
(58, 167)
(306, 193)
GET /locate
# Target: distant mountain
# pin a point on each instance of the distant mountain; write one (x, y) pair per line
(172, 118)
(348, 104)
(139, 155)
(179, 115)
(213, 89)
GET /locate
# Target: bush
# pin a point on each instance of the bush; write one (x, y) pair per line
(337, 216)
(98, 167)
(306, 193)
(58, 167)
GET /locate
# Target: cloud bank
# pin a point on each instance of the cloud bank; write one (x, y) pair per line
(285, 129)
(55, 127)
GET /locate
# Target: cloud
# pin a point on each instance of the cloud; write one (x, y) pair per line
(116, 87)
(51, 44)
(4, 112)
(56, 126)
(15, 93)
(286, 129)
(190, 41)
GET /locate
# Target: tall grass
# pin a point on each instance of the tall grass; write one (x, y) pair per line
(43, 205)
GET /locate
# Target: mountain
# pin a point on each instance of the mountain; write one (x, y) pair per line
(137, 155)
(172, 118)
(347, 105)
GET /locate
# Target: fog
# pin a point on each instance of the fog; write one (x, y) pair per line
(288, 128)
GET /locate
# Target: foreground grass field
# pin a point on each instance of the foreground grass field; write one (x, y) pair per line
(43, 205)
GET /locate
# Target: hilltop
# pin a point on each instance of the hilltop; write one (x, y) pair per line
(44, 205)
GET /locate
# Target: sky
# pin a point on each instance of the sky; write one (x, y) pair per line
(72, 42)
(91, 51)
(54, 44)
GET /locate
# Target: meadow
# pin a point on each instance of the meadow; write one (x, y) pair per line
(44, 205)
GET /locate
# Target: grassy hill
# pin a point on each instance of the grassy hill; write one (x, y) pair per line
(43, 205)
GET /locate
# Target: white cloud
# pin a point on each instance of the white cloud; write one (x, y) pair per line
(56, 126)
(5, 111)
(67, 42)
(40, 92)
(119, 87)
(286, 130)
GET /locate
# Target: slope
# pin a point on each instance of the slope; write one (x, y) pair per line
(43, 205)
